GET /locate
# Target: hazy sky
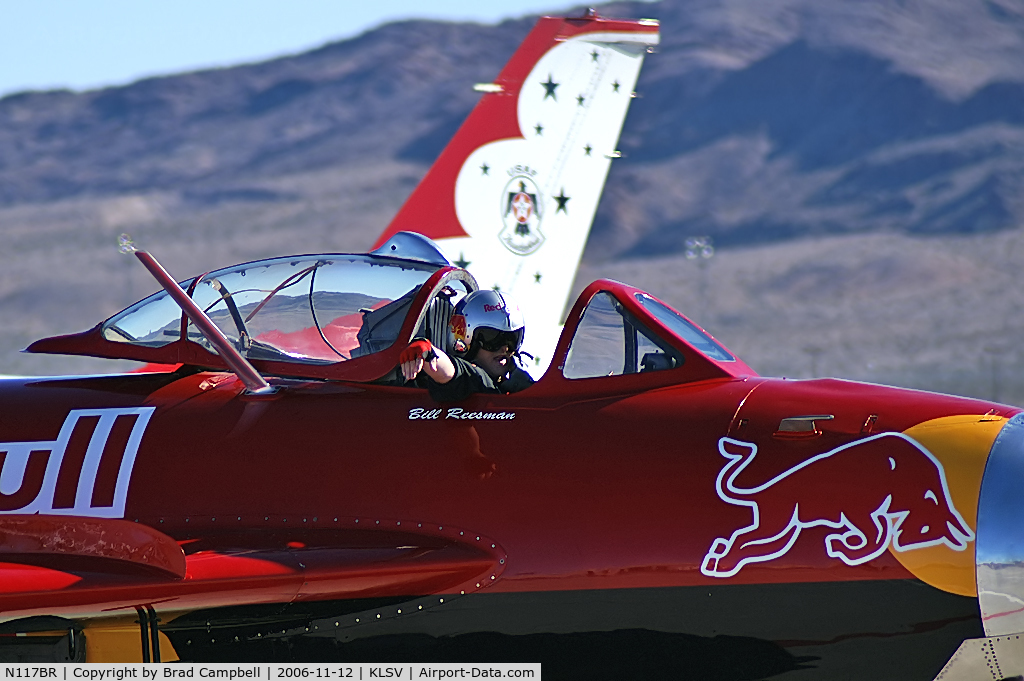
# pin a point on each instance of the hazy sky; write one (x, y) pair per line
(83, 44)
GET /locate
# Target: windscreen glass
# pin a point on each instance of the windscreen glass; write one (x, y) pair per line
(685, 329)
(151, 322)
(609, 341)
(598, 348)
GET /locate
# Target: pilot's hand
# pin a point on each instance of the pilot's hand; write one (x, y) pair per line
(413, 357)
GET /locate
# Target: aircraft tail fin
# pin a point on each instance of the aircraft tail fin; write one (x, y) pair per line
(513, 195)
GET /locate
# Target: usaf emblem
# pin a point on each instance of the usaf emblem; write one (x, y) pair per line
(521, 216)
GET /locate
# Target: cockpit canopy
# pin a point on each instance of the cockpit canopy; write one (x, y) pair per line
(315, 309)
(316, 316)
(348, 316)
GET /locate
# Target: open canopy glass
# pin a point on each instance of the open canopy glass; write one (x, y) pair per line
(309, 309)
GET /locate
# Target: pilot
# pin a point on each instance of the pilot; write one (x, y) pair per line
(487, 329)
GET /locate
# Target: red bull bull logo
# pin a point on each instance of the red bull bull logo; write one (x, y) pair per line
(879, 491)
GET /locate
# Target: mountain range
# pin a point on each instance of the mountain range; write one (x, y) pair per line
(858, 167)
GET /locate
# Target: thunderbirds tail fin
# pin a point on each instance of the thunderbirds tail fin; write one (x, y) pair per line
(513, 195)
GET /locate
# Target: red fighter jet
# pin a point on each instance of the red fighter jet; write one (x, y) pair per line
(649, 508)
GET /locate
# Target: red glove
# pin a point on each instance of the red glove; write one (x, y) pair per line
(416, 350)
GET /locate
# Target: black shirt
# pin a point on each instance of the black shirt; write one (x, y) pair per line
(469, 379)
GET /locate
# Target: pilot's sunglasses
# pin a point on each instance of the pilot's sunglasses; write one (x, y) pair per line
(493, 340)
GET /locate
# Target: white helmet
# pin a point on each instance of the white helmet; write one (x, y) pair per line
(489, 320)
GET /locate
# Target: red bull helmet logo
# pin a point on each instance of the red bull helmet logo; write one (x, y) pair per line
(457, 325)
(879, 491)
